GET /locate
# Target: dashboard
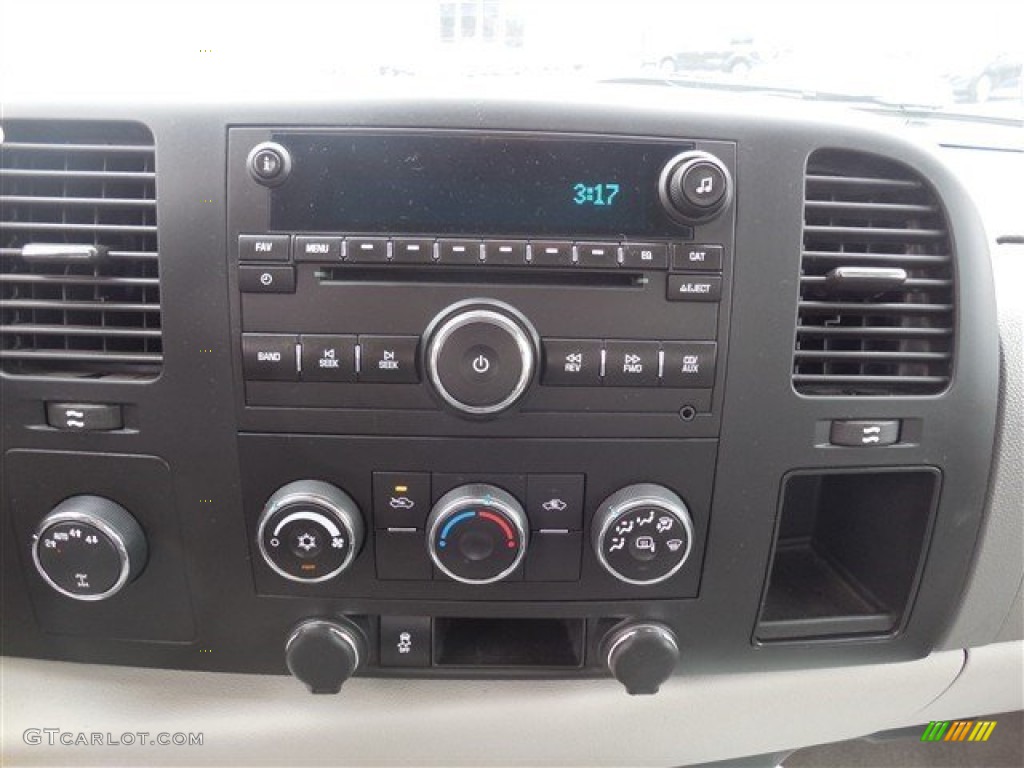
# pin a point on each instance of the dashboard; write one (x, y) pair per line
(458, 392)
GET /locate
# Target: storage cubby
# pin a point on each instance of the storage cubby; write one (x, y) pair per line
(849, 547)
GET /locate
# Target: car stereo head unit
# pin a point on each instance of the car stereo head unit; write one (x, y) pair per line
(427, 282)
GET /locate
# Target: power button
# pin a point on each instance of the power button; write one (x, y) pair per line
(480, 359)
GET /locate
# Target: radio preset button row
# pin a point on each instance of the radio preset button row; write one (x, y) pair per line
(330, 249)
(332, 358)
(618, 363)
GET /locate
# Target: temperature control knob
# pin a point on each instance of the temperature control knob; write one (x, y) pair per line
(480, 357)
(310, 531)
(643, 534)
(695, 187)
(641, 655)
(477, 534)
(88, 548)
(324, 653)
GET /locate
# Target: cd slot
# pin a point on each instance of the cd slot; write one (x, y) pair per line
(456, 276)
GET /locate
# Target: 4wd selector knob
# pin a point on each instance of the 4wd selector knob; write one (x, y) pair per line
(695, 187)
(477, 534)
(643, 534)
(310, 531)
(480, 356)
(88, 548)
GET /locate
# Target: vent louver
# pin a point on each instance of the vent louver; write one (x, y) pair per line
(67, 308)
(876, 311)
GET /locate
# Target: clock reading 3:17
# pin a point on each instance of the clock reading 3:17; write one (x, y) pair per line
(594, 194)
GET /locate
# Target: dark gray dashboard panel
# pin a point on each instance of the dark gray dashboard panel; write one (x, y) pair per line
(188, 417)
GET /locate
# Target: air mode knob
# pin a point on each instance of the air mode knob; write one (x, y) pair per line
(89, 548)
(695, 187)
(324, 653)
(480, 357)
(310, 531)
(643, 534)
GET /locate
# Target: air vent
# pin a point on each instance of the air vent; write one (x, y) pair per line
(876, 312)
(78, 250)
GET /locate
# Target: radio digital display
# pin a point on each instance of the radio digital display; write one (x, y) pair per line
(494, 184)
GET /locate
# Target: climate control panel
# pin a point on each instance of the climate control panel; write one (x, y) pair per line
(374, 518)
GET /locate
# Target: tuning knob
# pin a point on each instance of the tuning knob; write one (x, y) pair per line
(641, 655)
(310, 531)
(324, 653)
(695, 187)
(89, 548)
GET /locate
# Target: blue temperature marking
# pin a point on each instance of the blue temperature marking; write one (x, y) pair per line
(453, 522)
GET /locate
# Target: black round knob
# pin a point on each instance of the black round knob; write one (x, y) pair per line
(641, 655)
(310, 531)
(269, 163)
(480, 357)
(695, 187)
(324, 653)
(89, 548)
(477, 534)
(643, 534)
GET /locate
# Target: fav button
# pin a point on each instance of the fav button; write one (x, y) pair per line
(263, 247)
(388, 359)
(328, 358)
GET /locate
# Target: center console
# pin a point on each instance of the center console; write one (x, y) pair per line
(410, 392)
